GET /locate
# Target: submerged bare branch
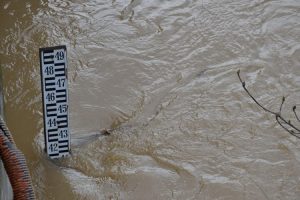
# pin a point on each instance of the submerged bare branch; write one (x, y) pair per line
(285, 124)
(260, 105)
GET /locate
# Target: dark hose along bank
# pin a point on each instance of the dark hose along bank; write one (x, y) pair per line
(15, 165)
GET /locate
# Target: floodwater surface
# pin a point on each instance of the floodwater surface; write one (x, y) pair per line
(162, 76)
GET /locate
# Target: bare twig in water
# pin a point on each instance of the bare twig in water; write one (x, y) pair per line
(285, 124)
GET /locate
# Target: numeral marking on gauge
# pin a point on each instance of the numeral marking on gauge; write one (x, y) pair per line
(53, 63)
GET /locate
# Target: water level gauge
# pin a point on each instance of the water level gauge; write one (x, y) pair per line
(53, 61)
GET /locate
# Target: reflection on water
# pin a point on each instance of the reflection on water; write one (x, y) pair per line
(162, 75)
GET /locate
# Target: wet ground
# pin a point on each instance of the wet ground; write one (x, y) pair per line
(162, 75)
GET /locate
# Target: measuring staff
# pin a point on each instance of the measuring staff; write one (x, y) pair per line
(54, 80)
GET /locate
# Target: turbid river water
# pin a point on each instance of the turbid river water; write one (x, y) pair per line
(162, 75)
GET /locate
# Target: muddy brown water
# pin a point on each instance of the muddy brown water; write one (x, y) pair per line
(162, 74)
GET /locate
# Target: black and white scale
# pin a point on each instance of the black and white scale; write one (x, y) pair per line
(54, 80)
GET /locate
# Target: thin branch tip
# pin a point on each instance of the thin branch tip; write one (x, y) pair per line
(282, 101)
(294, 111)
